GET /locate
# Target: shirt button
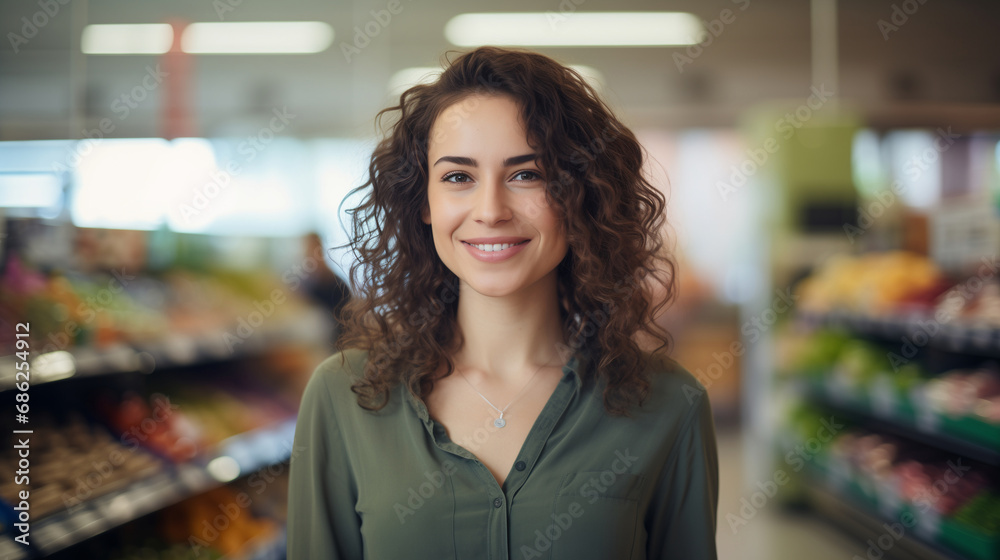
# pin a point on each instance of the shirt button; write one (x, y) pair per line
(519, 465)
(497, 502)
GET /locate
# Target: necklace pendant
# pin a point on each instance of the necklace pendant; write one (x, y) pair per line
(500, 422)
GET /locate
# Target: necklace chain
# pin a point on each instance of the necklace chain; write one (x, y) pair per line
(501, 422)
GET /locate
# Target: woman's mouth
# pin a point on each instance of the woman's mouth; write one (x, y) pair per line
(495, 252)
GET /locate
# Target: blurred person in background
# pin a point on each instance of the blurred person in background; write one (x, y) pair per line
(323, 285)
(509, 236)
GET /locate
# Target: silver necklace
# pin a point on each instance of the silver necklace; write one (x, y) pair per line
(501, 422)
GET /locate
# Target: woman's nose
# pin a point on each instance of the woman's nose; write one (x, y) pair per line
(492, 202)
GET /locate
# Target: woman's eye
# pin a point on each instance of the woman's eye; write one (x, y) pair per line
(449, 177)
(531, 175)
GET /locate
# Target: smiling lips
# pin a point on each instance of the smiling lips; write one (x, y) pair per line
(495, 249)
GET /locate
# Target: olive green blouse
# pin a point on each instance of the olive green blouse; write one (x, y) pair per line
(391, 485)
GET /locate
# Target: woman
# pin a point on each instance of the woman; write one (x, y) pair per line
(509, 236)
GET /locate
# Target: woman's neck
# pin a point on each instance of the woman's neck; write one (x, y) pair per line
(508, 338)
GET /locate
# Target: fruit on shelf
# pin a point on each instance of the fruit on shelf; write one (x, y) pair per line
(908, 470)
(908, 377)
(73, 462)
(99, 309)
(987, 306)
(872, 283)
(220, 519)
(222, 410)
(859, 362)
(970, 306)
(988, 410)
(821, 350)
(982, 513)
(920, 484)
(161, 427)
(962, 392)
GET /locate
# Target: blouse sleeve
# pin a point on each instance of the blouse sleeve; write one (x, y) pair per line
(322, 521)
(682, 520)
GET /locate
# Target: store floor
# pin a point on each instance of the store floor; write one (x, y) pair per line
(771, 533)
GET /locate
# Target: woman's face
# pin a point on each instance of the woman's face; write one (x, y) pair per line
(484, 188)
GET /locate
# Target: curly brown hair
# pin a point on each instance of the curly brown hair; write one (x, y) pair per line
(404, 310)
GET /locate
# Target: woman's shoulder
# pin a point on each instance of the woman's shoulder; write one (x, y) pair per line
(664, 366)
(671, 382)
(336, 373)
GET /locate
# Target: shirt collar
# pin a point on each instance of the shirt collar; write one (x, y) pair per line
(574, 369)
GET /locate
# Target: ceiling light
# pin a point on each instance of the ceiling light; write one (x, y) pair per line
(258, 37)
(129, 38)
(578, 29)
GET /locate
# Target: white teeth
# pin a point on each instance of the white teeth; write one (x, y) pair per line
(494, 247)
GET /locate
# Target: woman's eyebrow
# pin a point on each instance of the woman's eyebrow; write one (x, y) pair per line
(513, 160)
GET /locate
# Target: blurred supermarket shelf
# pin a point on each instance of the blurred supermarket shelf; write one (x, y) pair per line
(886, 492)
(268, 549)
(925, 426)
(954, 336)
(232, 458)
(174, 350)
(860, 521)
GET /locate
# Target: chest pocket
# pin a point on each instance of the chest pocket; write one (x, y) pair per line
(597, 512)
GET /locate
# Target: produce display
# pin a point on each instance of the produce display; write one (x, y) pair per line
(242, 520)
(967, 394)
(220, 411)
(900, 283)
(136, 436)
(154, 423)
(872, 283)
(975, 301)
(864, 357)
(860, 374)
(72, 462)
(128, 429)
(70, 310)
(940, 498)
(220, 519)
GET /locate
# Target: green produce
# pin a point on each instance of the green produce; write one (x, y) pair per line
(981, 513)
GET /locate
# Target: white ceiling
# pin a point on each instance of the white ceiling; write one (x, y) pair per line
(946, 56)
